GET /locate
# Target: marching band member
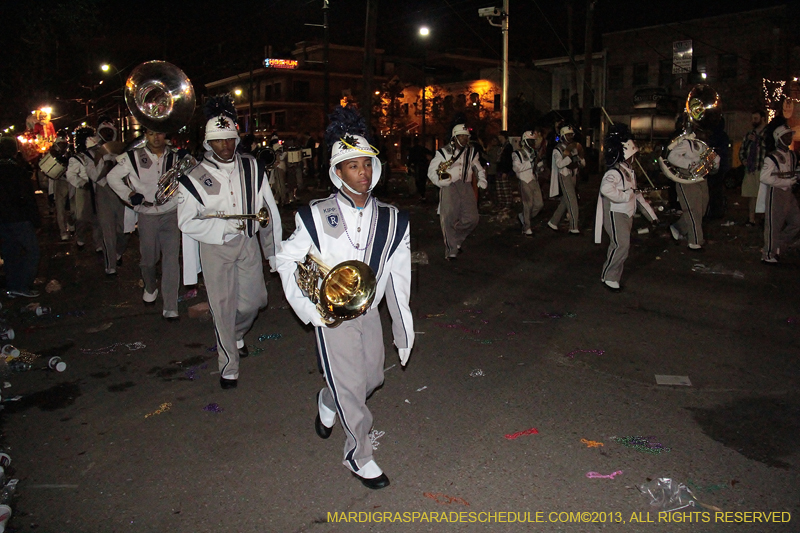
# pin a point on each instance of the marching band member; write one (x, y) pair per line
(135, 181)
(63, 192)
(617, 203)
(693, 197)
(78, 177)
(110, 211)
(458, 210)
(775, 198)
(352, 225)
(528, 164)
(227, 183)
(564, 179)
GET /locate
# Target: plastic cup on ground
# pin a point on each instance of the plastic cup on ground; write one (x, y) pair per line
(10, 351)
(55, 363)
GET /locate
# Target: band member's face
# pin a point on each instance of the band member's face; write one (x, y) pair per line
(756, 120)
(786, 138)
(223, 148)
(568, 137)
(537, 136)
(106, 133)
(356, 173)
(462, 140)
(155, 140)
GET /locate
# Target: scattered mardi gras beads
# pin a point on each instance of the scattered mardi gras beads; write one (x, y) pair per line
(598, 352)
(271, 337)
(643, 444)
(596, 475)
(444, 499)
(477, 373)
(512, 436)
(559, 315)
(591, 443)
(162, 408)
(213, 408)
(108, 349)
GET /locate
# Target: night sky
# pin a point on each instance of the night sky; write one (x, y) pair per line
(53, 49)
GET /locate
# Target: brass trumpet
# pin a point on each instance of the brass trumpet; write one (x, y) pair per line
(262, 217)
(346, 291)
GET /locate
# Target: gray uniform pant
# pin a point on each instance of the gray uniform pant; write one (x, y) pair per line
(532, 202)
(64, 218)
(458, 214)
(86, 219)
(159, 237)
(236, 290)
(569, 202)
(352, 357)
(781, 221)
(618, 227)
(694, 202)
(111, 215)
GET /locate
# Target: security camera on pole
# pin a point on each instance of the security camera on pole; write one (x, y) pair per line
(490, 14)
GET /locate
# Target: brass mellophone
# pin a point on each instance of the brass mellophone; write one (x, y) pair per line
(343, 292)
(262, 217)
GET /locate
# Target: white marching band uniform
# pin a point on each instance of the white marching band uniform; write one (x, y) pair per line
(616, 205)
(458, 209)
(527, 166)
(564, 180)
(138, 171)
(85, 216)
(776, 199)
(229, 257)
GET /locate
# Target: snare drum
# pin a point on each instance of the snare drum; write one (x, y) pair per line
(51, 167)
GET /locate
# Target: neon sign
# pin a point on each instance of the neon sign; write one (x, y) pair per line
(280, 63)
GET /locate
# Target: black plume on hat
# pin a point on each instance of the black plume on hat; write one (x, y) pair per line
(617, 135)
(220, 105)
(344, 121)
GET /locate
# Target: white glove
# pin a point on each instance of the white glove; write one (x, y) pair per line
(271, 261)
(232, 226)
(482, 183)
(404, 355)
(445, 182)
(317, 321)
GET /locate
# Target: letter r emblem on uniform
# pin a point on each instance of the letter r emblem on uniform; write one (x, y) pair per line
(333, 220)
(207, 182)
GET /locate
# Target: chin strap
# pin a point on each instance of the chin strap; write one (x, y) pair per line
(346, 186)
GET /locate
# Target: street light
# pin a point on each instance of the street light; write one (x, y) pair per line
(424, 32)
(106, 67)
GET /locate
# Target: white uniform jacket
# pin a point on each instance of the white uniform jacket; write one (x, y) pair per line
(207, 190)
(525, 165)
(138, 171)
(461, 169)
(76, 170)
(327, 229)
(775, 163)
(687, 153)
(561, 160)
(618, 186)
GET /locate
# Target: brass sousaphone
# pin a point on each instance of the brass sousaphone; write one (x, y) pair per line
(161, 97)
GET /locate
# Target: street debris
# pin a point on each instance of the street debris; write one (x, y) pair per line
(596, 475)
(518, 434)
(213, 408)
(201, 310)
(132, 346)
(419, 258)
(642, 444)
(572, 353)
(269, 337)
(374, 435)
(477, 373)
(673, 380)
(591, 443)
(667, 495)
(444, 499)
(717, 269)
(164, 407)
(52, 286)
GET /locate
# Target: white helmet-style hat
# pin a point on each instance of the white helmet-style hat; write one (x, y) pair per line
(221, 127)
(351, 146)
(527, 137)
(460, 129)
(780, 131)
(566, 129)
(628, 149)
(94, 140)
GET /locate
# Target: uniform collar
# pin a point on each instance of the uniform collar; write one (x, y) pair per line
(346, 199)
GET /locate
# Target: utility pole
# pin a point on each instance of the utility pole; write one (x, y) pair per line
(588, 93)
(573, 89)
(505, 64)
(369, 59)
(327, 78)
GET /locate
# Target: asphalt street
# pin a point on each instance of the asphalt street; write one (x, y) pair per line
(527, 380)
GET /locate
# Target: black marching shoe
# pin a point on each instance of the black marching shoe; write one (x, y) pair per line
(322, 430)
(226, 383)
(243, 351)
(374, 483)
